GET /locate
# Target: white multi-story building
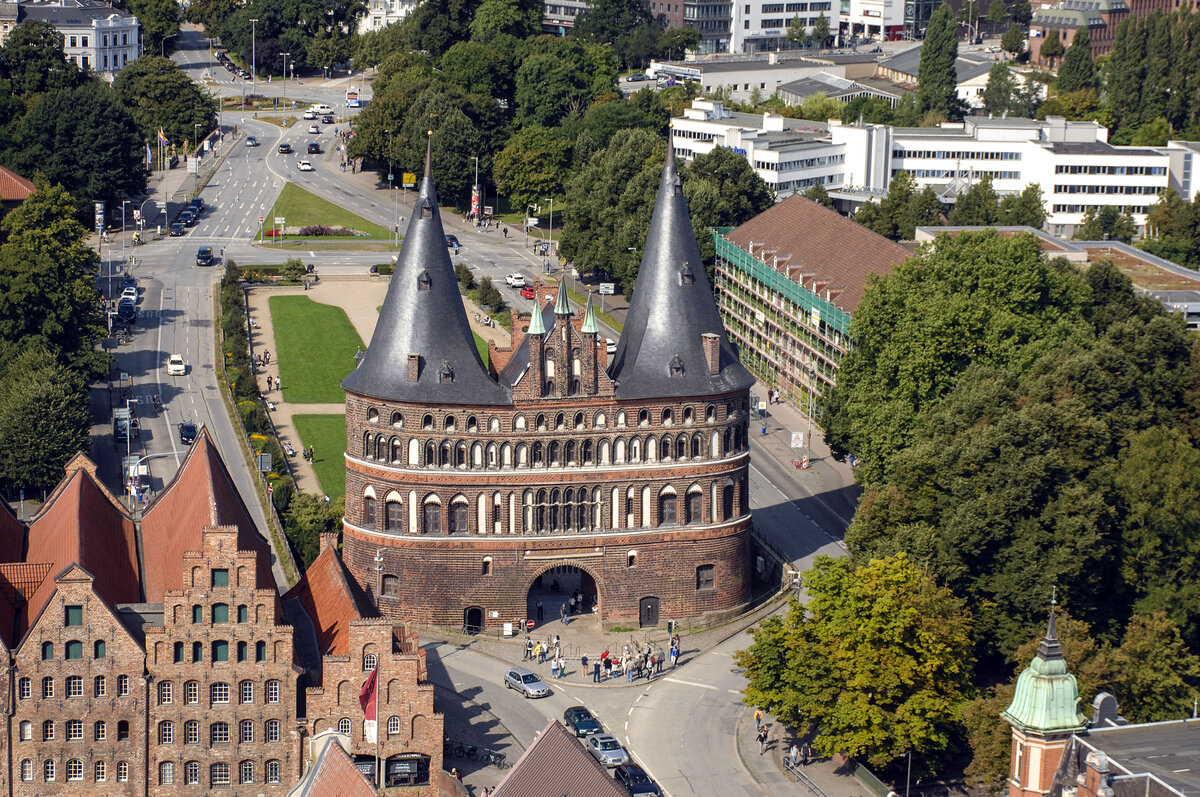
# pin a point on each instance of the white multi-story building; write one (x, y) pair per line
(96, 36)
(1073, 163)
(381, 13)
(763, 26)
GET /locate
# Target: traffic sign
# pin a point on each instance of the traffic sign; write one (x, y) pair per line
(410, 178)
(270, 488)
(607, 288)
(529, 624)
(279, 220)
(260, 219)
(797, 439)
(391, 177)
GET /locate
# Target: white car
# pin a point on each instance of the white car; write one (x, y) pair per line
(305, 166)
(309, 115)
(130, 293)
(176, 366)
(515, 280)
(314, 130)
(610, 345)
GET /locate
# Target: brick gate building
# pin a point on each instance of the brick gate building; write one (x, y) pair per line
(469, 485)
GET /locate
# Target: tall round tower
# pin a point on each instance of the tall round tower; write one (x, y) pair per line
(471, 495)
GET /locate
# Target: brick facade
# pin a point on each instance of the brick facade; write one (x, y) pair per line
(410, 732)
(469, 505)
(78, 723)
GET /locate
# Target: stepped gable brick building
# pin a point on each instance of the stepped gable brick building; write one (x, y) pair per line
(353, 641)
(155, 657)
(470, 493)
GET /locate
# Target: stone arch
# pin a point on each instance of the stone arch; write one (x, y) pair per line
(545, 568)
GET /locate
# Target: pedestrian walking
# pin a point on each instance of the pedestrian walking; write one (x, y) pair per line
(762, 740)
(541, 613)
(806, 753)
(557, 646)
(583, 664)
(562, 667)
(267, 357)
(554, 668)
(658, 660)
(528, 649)
(608, 665)
(278, 383)
(758, 718)
(541, 653)
(596, 672)
(572, 604)
(794, 755)
(562, 613)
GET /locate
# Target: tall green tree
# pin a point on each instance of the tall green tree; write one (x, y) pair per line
(32, 59)
(675, 42)
(875, 662)
(548, 89)
(512, 17)
(1078, 70)
(1157, 675)
(1021, 12)
(1000, 90)
(1052, 46)
(159, 94)
(997, 13)
(819, 195)
(821, 31)
(159, 20)
(532, 166)
(479, 68)
(608, 20)
(904, 209)
(1025, 209)
(979, 206)
(936, 76)
(43, 420)
(1013, 40)
(1106, 224)
(48, 295)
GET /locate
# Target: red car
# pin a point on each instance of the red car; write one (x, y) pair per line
(527, 292)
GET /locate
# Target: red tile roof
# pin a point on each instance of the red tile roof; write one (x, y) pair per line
(328, 597)
(333, 774)
(14, 187)
(201, 494)
(818, 245)
(557, 763)
(18, 582)
(83, 523)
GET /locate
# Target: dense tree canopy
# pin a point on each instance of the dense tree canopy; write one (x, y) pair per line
(937, 79)
(159, 21)
(1078, 71)
(532, 166)
(160, 95)
(875, 662)
(904, 209)
(33, 60)
(1173, 229)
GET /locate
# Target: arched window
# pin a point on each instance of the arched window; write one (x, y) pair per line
(218, 733)
(519, 423)
(274, 768)
(47, 687)
(391, 586)
(246, 772)
(458, 515)
(47, 651)
(368, 449)
(694, 508)
(666, 509)
(427, 421)
(99, 686)
(448, 423)
(368, 514)
(191, 773)
(393, 726)
(621, 419)
(697, 446)
(539, 522)
(260, 651)
(27, 769)
(372, 415)
(681, 447)
(166, 732)
(166, 773)
(191, 732)
(643, 417)
(710, 414)
(668, 416)
(494, 425)
(344, 726)
(398, 420)
(432, 517)
(99, 650)
(48, 770)
(689, 415)
(218, 775)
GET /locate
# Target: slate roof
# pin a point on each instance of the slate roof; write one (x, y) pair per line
(557, 764)
(83, 523)
(201, 494)
(823, 243)
(14, 187)
(331, 600)
(909, 62)
(672, 307)
(423, 314)
(333, 774)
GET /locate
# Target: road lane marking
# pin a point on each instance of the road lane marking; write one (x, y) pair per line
(691, 683)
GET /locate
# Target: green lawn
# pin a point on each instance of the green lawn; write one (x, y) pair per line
(302, 208)
(327, 434)
(315, 345)
(482, 346)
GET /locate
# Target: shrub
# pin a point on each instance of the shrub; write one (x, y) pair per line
(321, 229)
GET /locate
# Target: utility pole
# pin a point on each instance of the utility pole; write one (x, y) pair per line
(253, 57)
(285, 57)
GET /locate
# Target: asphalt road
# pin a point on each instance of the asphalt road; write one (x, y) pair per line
(679, 727)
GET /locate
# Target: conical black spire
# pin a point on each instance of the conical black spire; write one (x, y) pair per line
(423, 318)
(661, 351)
(1049, 649)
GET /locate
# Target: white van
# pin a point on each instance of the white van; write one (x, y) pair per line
(320, 108)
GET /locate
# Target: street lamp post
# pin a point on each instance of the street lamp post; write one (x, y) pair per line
(475, 196)
(124, 202)
(196, 134)
(285, 57)
(163, 48)
(253, 57)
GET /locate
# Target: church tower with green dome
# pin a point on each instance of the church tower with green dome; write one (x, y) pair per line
(1044, 713)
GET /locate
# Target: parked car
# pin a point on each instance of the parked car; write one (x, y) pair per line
(515, 280)
(204, 256)
(131, 294)
(581, 722)
(636, 77)
(129, 282)
(526, 682)
(176, 366)
(285, 149)
(187, 433)
(451, 242)
(176, 229)
(187, 218)
(251, 141)
(314, 148)
(127, 311)
(635, 780)
(313, 130)
(607, 750)
(197, 204)
(527, 292)
(305, 166)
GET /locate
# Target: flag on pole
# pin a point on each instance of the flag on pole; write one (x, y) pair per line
(162, 138)
(149, 155)
(368, 698)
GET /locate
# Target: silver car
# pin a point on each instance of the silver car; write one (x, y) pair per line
(526, 682)
(607, 750)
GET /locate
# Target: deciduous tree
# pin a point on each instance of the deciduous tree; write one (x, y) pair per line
(158, 19)
(43, 419)
(875, 662)
(1078, 70)
(160, 95)
(1052, 46)
(1013, 40)
(532, 166)
(33, 60)
(936, 76)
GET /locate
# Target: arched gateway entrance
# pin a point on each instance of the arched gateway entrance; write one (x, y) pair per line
(555, 587)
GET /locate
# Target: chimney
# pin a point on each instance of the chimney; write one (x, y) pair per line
(328, 540)
(712, 352)
(414, 367)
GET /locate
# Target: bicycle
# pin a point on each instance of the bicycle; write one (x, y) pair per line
(472, 752)
(494, 758)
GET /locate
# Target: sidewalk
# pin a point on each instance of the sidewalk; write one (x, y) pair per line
(768, 768)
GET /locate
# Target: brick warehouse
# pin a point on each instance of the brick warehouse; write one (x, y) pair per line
(157, 657)
(552, 471)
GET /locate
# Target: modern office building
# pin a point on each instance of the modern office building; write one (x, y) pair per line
(788, 282)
